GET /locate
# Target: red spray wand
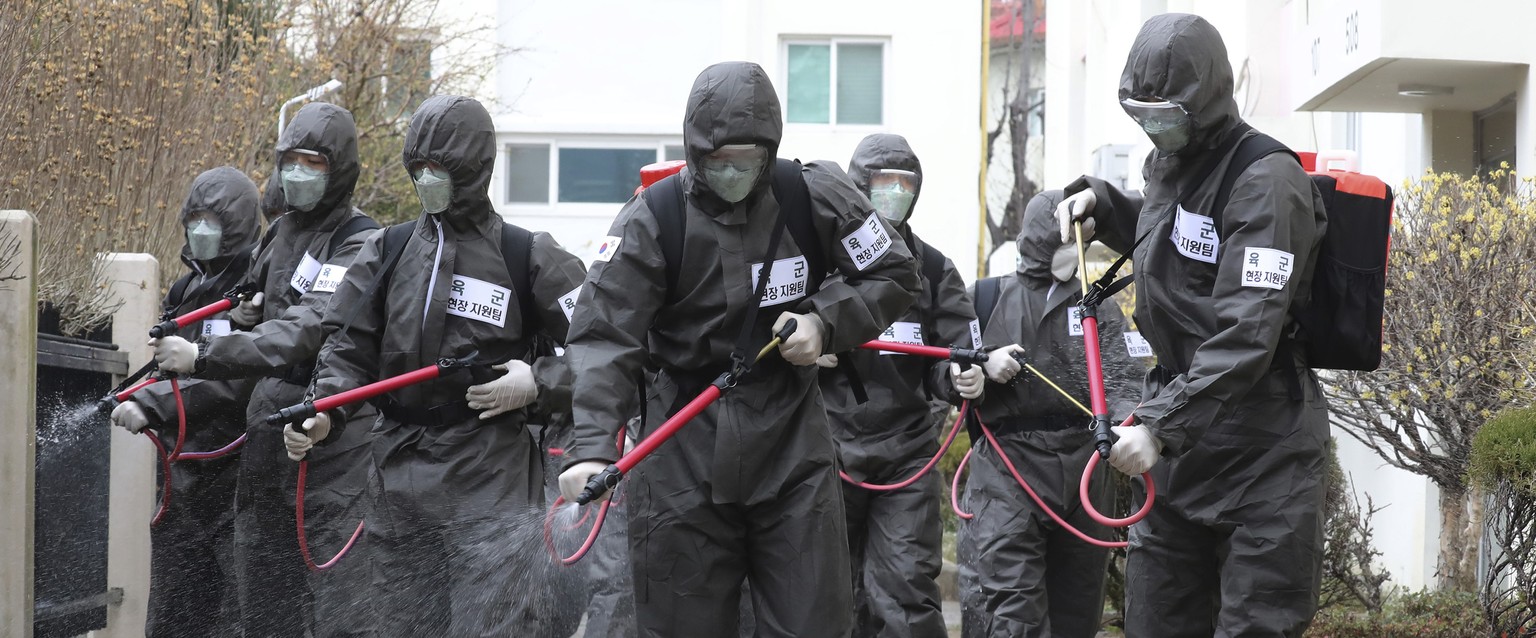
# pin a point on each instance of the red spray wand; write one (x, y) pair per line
(609, 478)
(299, 412)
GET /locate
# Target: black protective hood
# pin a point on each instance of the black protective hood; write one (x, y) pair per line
(1181, 58)
(1039, 235)
(231, 197)
(884, 151)
(730, 103)
(456, 133)
(272, 203)
(330, 131)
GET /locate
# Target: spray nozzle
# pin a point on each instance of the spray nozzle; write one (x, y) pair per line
(600, 484)
(1103, 437)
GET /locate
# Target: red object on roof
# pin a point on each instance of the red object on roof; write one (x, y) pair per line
(1007, 20)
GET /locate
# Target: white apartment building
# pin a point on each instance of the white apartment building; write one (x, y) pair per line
(597, 90)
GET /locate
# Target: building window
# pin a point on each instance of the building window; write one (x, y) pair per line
(408, 77)
(528, 173)
(674, 152)
(601, 175)
(836, 82)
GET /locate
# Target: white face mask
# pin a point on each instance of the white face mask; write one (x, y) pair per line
(203, 240)
(434, 188)
(732, 170)
(303, 186)
(1064, 263)
(892, 192)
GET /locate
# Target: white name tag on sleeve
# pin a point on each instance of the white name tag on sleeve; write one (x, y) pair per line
(304, 276)
(975, 334)
(787, 280)
(329, 278)
(1075, 321)
(908, 332)
(1195, 236)
(215, 327)
(568, 303)
(867, 244)
(1137, 346)
(607, 247)
(1267, 268)
(479, 300)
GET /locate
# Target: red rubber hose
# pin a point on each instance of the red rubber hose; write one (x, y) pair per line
(298, 515)
(954, 488)
(926, 468)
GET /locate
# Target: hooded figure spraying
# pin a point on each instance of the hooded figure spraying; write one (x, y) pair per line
(454, 458)
(192, 586)
(749, 487)
(1232, 421)
(300, 262)
(1022, 574)
(895, 537)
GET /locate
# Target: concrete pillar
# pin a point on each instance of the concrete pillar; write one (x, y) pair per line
(18, 414)
(1525, 125)
(134, 279)
(1451, 143)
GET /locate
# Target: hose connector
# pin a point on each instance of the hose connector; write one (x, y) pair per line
(966, 356)
(160, 330)
(106, 404)
(292, 414)
(1103, 438)
(600, 484)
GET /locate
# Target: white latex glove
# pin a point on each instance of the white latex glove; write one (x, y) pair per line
(506, 393)
(175, 354)
(129, 416)
(248, 313)
(574, 480)
(827, 361)
(967, 382)
(1001, 367)
(1078, 207)
(803, 347)
(312, 431)
(1136, 451)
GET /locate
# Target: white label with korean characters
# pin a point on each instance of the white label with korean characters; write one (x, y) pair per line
(1267, 268)
(215, 327)
(908, 332)
(787, 280)
(607, 248)
(568, 303)
(1075, 321)
(479, 300)
(976, 334)
(329, 278)
(1195, 236)
(867, 244)
(1136, 345)
(304, 276)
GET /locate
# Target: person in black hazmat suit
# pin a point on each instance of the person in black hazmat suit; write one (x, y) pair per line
(454, 457)
(1021, 573)
(302, 259)
(885, 436)
(192, 588)
(1233, 545)
(749, 488)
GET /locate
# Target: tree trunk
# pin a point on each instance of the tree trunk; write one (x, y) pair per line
(1459, 535)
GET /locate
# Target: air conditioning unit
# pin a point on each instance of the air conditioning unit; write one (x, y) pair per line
(1112, 163)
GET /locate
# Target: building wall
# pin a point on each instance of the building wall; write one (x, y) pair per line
(619, 73)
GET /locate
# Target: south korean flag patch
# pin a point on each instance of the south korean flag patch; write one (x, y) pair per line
(607, 247)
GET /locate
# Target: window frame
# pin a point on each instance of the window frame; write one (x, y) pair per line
(832, 42)
(553, 206)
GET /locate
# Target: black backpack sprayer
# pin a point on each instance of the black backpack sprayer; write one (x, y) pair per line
(1103, 437)
(149, 375)
(297, 413)
(609, 478)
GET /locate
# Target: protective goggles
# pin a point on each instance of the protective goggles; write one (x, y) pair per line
(742, 157)
(885, 179)
(1155, 115)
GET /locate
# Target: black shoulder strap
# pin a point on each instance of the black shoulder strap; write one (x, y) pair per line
(395, 239)
(790, 191)
(1252, 149)
(517, 250)
(672, 221)
(352, 226)
(986, 299)
(266, 238)
(179, 291)
(933, 270)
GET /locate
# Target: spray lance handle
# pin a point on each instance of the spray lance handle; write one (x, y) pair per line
(967, 357)
(600, 484)
(169, 325)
